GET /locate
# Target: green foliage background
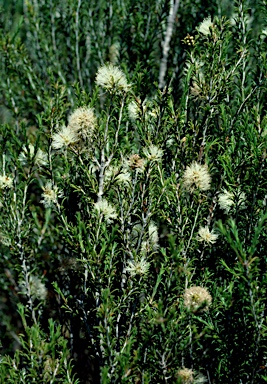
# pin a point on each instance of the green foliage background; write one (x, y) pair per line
(99, 323)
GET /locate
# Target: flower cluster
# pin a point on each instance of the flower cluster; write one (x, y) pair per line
(82, 121)
(112, 79)
(188, 376)
(39, 158)
(153, 153)
(196, 176)
(81, 126)
(36, 289)
(197, 299)
(228, 199)
(50, 195)
(64, 137)
(205, 26)
(207, 236)
(6, 181)
(106, 210)
(137, 267)
(185, 376)
(119, 175)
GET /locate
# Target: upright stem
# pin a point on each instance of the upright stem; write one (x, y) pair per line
(166, 44)
(77, 43)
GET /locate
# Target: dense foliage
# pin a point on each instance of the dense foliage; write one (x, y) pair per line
(133, 191)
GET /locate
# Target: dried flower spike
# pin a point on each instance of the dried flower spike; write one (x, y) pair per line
(136, 162)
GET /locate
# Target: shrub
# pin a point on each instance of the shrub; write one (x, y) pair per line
(132, 192)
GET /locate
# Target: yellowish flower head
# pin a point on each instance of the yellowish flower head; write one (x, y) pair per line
(135, 162)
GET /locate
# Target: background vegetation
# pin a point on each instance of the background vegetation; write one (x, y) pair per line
(133, 191)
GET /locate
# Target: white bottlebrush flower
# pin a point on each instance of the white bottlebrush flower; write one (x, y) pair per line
(4, 239)
(6, 181)
(64, 138)
(153, 153)
(83, 121)
(207, 236)
(112, 79)
(50, 195)
(134, 111)
(37, 288)
(228, 199)
(145, 109)
(137, 267)
(153, 235)
(106, 209)
(186, 376)
(200, 379)
(40, 158)
(118, 174)
(196, 176)
(152, 243)
(205, 26)
(197, 299)
(124, 178)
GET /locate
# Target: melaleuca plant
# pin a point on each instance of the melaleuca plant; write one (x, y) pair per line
(132, 190)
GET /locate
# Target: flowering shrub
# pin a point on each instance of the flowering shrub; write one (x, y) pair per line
(132, 192)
